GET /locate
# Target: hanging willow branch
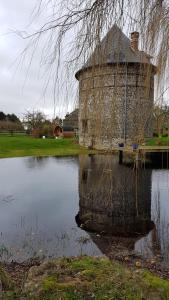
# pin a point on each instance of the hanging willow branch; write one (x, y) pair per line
(87, 21)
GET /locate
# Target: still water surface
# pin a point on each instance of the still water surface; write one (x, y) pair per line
(43, 199)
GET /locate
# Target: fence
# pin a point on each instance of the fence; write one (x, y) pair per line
(12, 132)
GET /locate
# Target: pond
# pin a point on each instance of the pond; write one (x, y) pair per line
(52, 207)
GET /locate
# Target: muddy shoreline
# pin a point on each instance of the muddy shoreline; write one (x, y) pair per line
(118, 249)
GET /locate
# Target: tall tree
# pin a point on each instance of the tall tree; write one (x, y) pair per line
(2, 116)
(34, 120)
(12, 118)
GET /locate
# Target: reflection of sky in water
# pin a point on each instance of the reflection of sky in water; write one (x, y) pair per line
(38, 204)
(157, 241)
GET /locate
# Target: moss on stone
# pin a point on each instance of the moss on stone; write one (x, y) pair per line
(86, 278)
(94, 278)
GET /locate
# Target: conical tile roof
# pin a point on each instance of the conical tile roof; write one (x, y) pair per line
(115, 48)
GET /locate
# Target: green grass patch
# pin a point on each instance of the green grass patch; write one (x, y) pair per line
(28, 146)
(88, 278)
(158, 141)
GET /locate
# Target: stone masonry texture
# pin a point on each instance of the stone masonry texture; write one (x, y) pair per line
(115, 104)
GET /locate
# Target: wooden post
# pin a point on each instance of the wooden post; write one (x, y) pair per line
(120, 157)
(137, 160)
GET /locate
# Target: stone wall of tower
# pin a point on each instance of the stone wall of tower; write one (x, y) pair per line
(115, 102)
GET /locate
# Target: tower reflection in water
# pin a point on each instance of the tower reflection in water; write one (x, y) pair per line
(113, 198)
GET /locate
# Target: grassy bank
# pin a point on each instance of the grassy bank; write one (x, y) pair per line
(158, 141)
(28, 146)
(22, 145)
(86, 278)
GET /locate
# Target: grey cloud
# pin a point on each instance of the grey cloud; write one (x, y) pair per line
(14, 95)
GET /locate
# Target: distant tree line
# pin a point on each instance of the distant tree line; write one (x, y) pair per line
(34, 123)
(10, 122)
(9, 117)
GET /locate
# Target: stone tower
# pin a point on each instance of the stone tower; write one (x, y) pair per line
(116, 93)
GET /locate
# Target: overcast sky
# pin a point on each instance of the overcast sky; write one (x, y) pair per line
(19, 92)
(16, 96)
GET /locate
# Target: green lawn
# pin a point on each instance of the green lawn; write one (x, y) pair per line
(15, 146)
(158, 141)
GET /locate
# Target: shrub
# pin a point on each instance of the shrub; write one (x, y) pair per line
(46, 130)
(165, 135)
